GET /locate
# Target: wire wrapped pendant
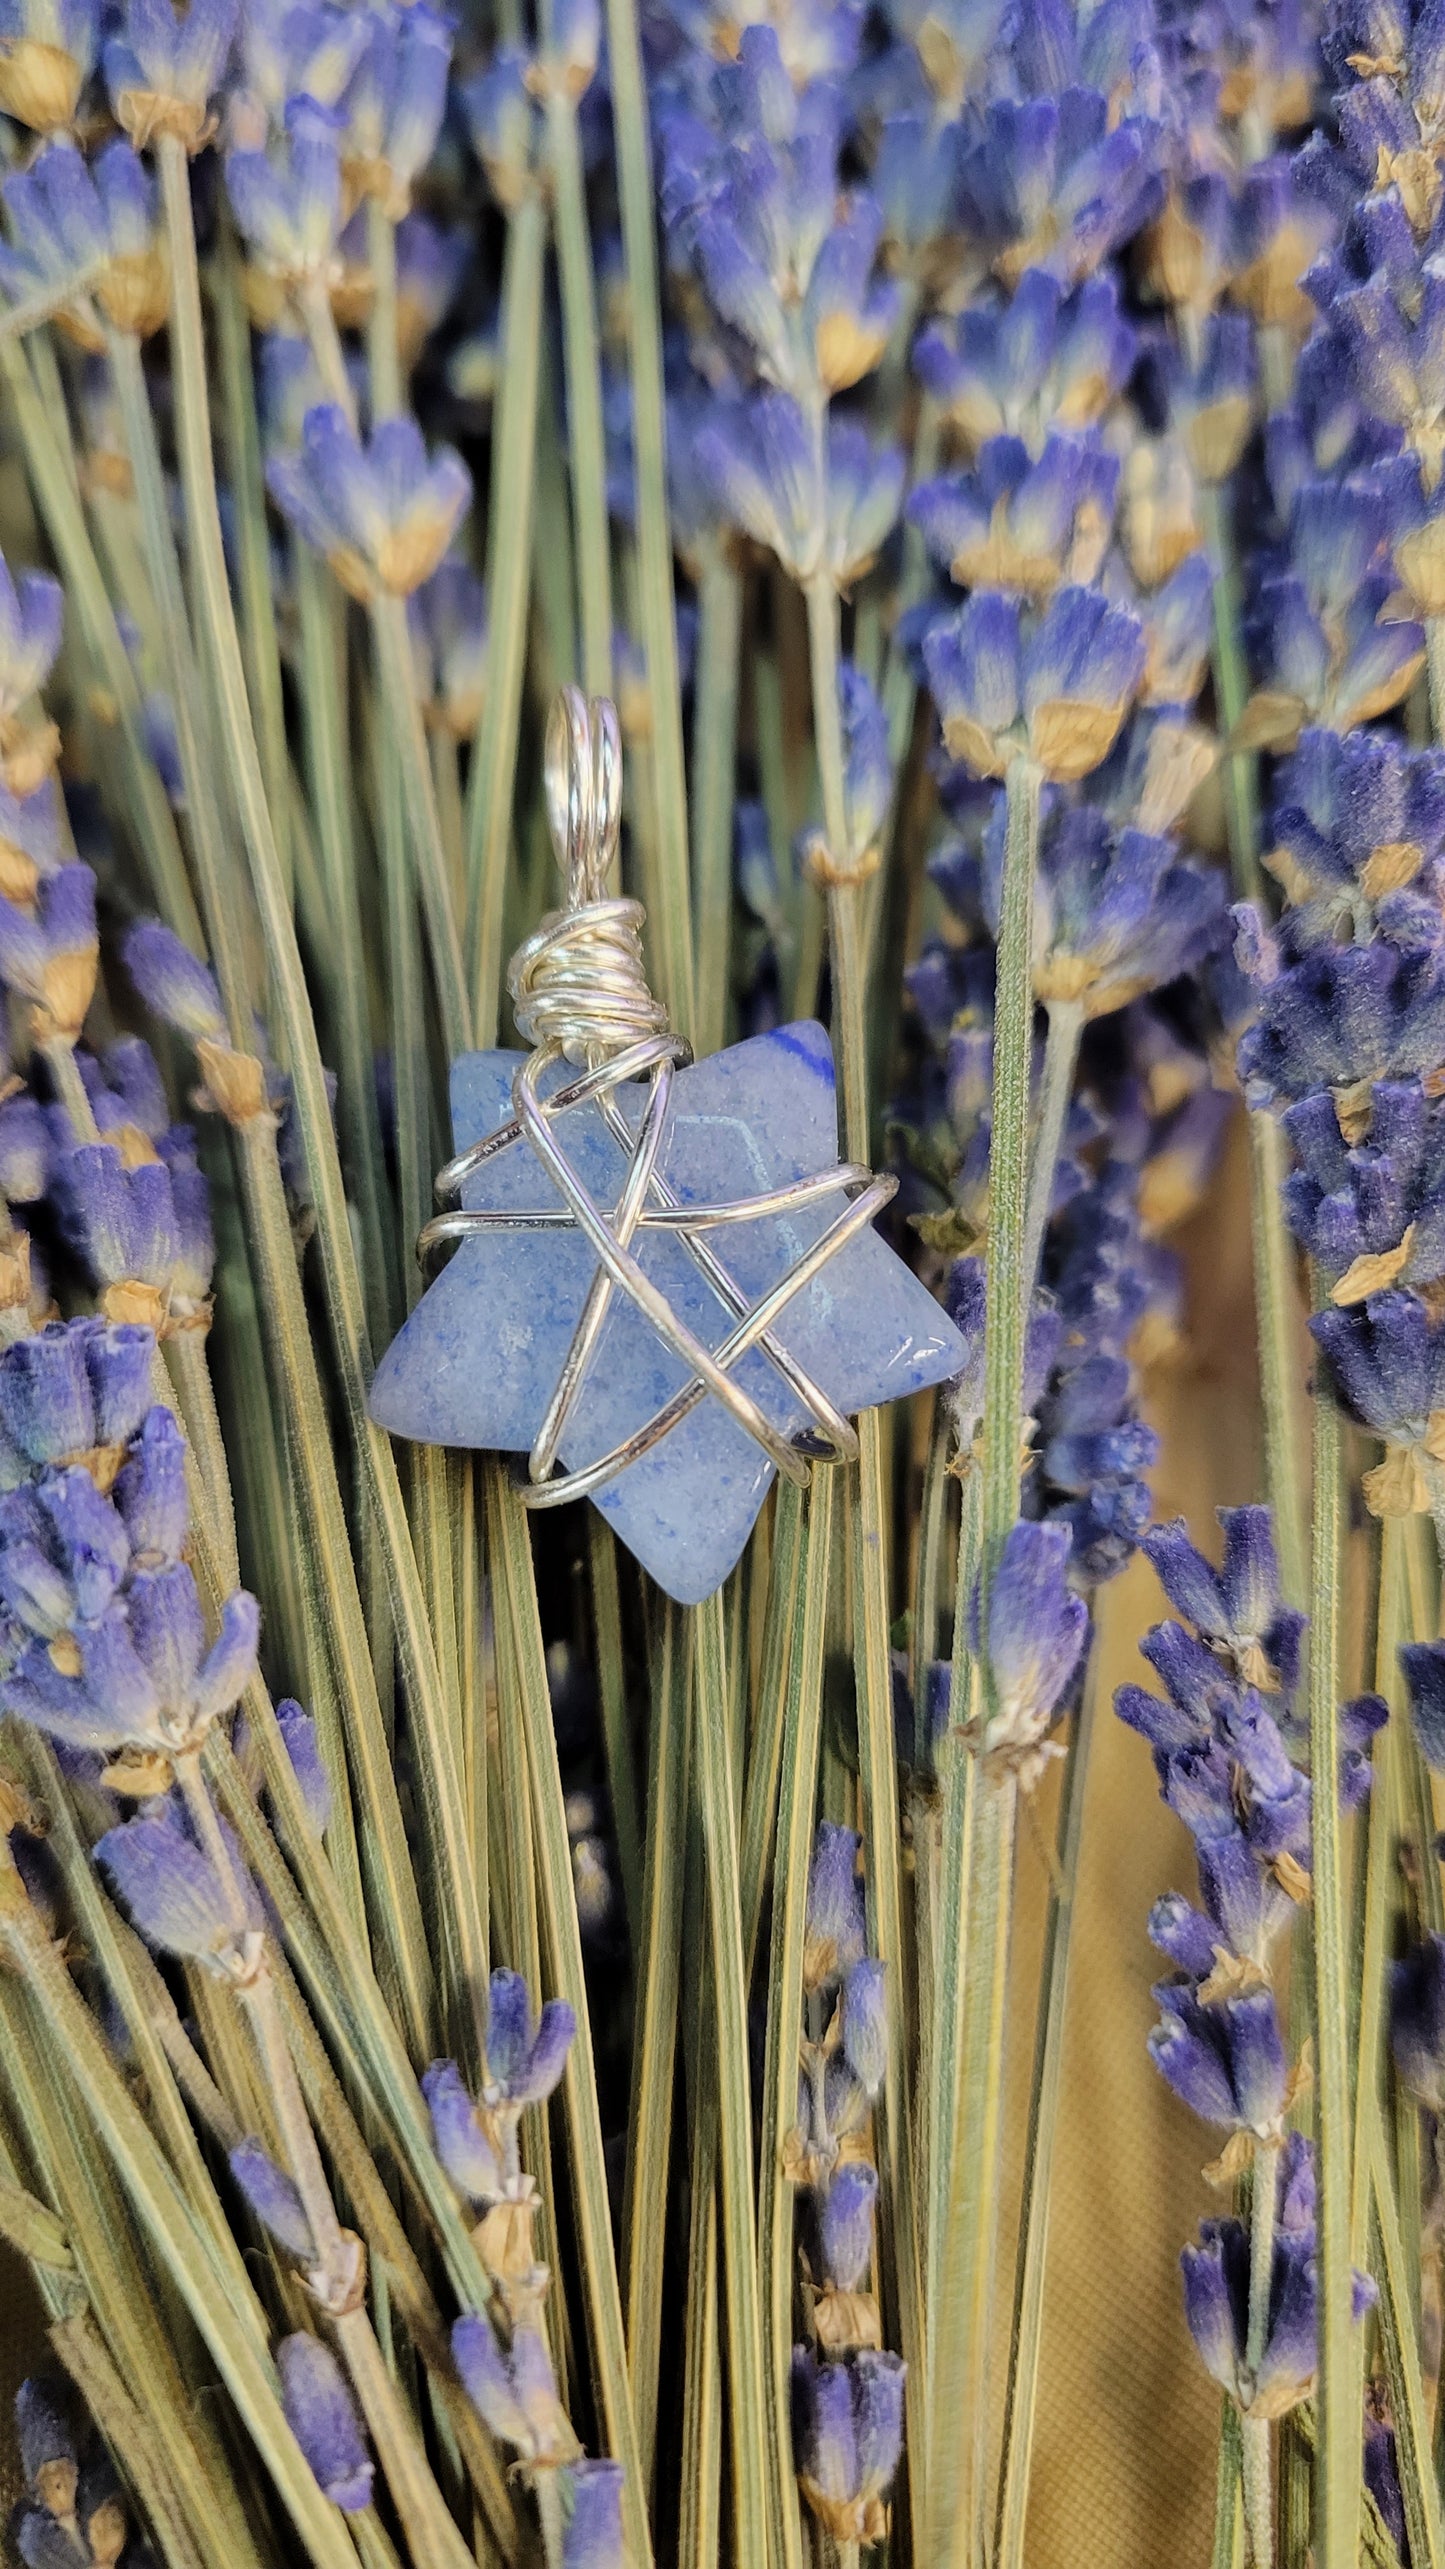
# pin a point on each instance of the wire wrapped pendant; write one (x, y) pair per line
(665, 1285)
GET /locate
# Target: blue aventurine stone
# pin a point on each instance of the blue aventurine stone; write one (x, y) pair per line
(479, 1359)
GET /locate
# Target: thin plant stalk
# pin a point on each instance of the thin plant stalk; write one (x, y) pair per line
(714, 752)
(960, 2352)
(672, 925)
(655, 2023)
(877, 1755)
(586, 445)
(801, 1736)
(398, 690)
(254, 578)
(509, 562)
(713, 1775)
(559, 1908)
(1276, 1288)
(1337, 2487)
(1026, 2342)
(328, 771)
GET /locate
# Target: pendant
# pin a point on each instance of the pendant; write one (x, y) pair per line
(665, 1287)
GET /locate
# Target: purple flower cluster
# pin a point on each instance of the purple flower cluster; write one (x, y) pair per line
(73, 2514)
(1221, 1736)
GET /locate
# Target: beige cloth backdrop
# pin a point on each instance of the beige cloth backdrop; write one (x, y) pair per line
(1124, 2470)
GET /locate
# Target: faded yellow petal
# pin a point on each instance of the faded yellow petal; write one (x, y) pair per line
(1396, 1487)
(1370, 1274)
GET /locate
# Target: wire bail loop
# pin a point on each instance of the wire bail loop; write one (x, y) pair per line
(578, 985)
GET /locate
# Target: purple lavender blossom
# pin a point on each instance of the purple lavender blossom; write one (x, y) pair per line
(382, 515)
(73, 1388)
(175, 1892)
(513, 2387)
(847, 2438)
(323, 2417)
(593, 2539)
(273, 2198)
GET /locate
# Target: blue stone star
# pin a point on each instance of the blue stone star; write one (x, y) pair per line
(478, 1361)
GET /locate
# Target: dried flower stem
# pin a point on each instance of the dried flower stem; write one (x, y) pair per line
(962, 2309)
(714, 751)
(585, 443)
(1276, 1286)
(727, 2010)
(1026, 2342)
(654, 2039)
(509, 561)
(802, 1730)
(1337, 2487)
(873, 1674)
(516, 1594)
(672, 920)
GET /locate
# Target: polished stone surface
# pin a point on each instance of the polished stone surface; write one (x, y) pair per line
(480, 1356)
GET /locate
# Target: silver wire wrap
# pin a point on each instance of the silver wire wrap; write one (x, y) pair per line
(580, 994)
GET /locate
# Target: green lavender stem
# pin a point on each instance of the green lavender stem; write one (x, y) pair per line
(961, 2348)
(253, 540)
(589, 2172)
(672, 928)
(714, 750)
(1337, 2488)
(654, 2038)
(328, 769)
(872, 1661)
(585, 442)
(802, 1730)
(509, 563)
(1026, 2344)
(1276, 1289)
(727, 2008)
(393, 652)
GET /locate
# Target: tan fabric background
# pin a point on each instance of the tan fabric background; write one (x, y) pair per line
(1124, 2469)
